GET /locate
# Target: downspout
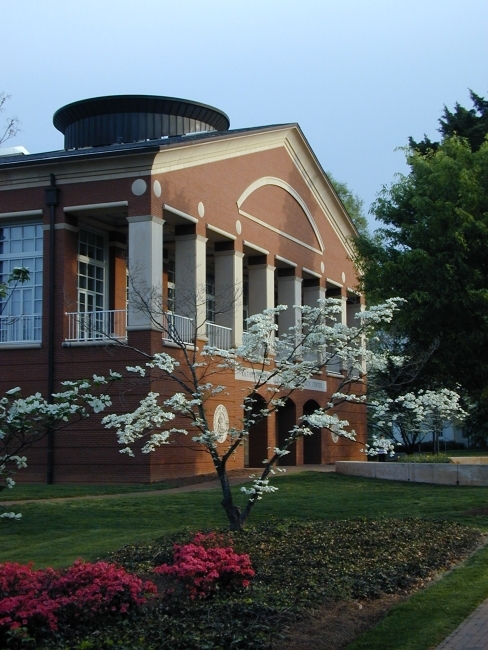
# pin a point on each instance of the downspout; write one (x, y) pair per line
(51, 200)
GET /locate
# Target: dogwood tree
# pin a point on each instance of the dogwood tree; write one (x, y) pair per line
(276, 366)
(25, 421)
(408, 418)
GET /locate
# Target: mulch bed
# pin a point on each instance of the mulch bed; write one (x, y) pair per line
(334, 626)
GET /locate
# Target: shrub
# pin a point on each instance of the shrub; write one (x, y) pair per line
(205, 567)
(35, 602)
(427, 458)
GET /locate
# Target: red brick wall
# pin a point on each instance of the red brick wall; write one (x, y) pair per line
(85, 452)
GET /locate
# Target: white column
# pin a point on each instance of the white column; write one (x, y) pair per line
(228, 292)
(310, 297)
(190, 280)
(312, 294)
(344, 310)
(351, 311)
(145, 272)
(261, 288)
(290, 294)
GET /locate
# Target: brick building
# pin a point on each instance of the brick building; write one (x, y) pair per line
(161, 191)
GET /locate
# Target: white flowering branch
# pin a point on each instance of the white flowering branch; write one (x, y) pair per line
(25, 421)
(277, 366)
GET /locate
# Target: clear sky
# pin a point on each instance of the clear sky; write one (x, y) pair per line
(359, 76)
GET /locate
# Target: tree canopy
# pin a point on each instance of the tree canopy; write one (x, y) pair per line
(432, 251)
(471, 124)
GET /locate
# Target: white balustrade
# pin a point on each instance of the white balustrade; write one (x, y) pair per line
(219, 336)
(178, 329)
(21, 329)
(97, 325)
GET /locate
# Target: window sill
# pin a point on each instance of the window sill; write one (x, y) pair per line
(20, 345)
(171, 344)
(98, 343)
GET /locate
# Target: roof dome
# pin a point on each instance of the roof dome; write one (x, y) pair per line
(103, 121)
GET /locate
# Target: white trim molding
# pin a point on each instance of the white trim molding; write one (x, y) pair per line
(271, 180)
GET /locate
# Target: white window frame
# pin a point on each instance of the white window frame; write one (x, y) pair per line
(21, 319)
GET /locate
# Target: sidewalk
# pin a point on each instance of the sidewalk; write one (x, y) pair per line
(472, 634)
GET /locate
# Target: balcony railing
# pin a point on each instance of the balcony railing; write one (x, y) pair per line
(97, 325)
(219, 336)
(178, 329)
(21, 329)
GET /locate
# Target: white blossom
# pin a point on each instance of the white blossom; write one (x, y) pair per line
(24, 421)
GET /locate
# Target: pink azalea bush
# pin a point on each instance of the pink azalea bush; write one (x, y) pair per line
(206, 567)
(39, 600)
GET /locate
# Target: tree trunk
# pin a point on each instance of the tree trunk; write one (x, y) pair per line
(232, 511)
(233, 514)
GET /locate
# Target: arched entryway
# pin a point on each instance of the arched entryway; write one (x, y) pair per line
(256, 444)
(286, 418)
(312, 445)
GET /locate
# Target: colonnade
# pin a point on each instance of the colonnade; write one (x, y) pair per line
(268, 284)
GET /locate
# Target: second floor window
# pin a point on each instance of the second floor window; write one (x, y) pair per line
(21, 310)
(211, 297)
(91, 271)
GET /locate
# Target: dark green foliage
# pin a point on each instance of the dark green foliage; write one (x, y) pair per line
(432, 252)
(427, 458)
(471, 124)
(298, 566)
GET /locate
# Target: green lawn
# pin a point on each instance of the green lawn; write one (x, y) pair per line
(24, 491)
(57, 533)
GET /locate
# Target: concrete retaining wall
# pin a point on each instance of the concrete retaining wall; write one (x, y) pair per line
(439, 473)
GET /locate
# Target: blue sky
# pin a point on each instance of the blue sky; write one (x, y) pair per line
(358, 76)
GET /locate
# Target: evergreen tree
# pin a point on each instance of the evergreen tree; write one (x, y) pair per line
(471, 124)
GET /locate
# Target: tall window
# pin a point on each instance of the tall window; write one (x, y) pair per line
(211, 297)
(245, 302)
(171, 286)
(21, 311)
(92, 323)
(91, 271)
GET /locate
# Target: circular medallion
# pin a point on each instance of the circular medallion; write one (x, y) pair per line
(343, 276)
(238, 227)
(139, 187)
(221, 423)
(201, 210)
(157, 188)
(322, 267)
(334, 435)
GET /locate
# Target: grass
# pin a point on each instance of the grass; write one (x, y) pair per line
(25, 491)
(55, 534)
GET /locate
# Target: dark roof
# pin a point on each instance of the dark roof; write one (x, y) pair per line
(100, 121)
(149, 146)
